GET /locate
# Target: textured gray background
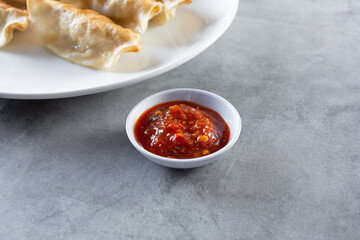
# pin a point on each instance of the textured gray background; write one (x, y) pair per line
(291, 68)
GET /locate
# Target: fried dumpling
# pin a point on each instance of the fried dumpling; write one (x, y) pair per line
(169, 10)
(80, 36)
(133, 14)
(11, 18)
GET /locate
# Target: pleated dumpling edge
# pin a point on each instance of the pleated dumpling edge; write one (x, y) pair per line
(133, 14)
(11, 19)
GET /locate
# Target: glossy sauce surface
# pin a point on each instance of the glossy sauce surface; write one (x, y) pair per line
(181, 129)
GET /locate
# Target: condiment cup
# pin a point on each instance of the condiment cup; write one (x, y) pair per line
(207, 99)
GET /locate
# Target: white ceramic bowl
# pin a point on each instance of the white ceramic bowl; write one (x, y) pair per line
(204, 98)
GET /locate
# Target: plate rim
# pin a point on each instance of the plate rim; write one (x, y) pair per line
(145, 76)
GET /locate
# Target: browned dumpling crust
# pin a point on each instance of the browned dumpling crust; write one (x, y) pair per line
(80, 36)
(169, 10)
(11, 18)
(21, 4)
(133, 14)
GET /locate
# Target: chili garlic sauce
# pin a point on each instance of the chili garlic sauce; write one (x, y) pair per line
(181, 129)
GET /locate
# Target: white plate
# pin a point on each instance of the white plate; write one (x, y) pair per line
(30, 72)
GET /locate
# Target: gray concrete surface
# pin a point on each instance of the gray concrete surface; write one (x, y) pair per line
(291, 68)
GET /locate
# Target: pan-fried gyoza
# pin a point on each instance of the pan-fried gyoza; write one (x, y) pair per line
(80, 36)
(133, 14)
(91, 33)
(169, 10)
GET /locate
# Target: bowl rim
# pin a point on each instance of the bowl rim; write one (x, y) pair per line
(232, 141)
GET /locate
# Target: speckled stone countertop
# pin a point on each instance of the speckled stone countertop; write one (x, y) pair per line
(291, 68)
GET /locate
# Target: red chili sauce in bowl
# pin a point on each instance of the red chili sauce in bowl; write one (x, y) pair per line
(182, 130)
